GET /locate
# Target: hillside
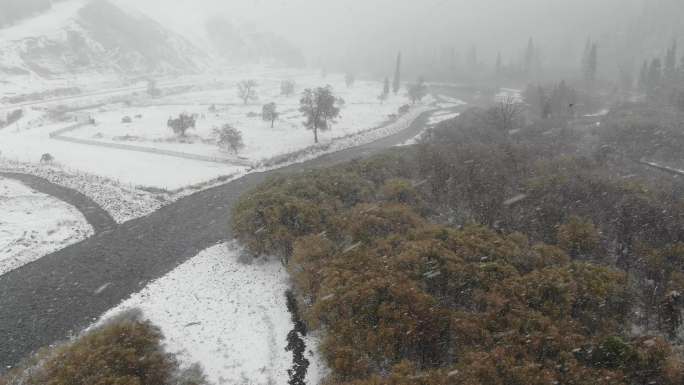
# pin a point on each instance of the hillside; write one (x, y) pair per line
(16, 10)
(80, 36)
(250, 45)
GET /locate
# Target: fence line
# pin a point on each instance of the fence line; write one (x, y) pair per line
(59, 135)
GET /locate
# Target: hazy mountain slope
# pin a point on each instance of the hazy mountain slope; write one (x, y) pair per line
(249, 45)
(93, 36)
(13, 11)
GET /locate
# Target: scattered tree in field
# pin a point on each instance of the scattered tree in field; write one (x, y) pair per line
(417, 91)
(320, 108)
(269, 113)
(247, 90)
(504, 115)
(349, 79)
(47, 158)
(396, 84)
(229, 139)
(385, 91)
(181, 124)
(287, 87)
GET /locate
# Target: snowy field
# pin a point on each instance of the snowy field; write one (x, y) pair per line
(227, 314)
(148, 128)
(125, 201)
(33, 224)
(129, 184)
(509, 94)
(440, 117)
(434, 120)
(28, 139)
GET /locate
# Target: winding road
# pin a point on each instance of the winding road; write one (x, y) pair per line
(58, 295)
(97, 217)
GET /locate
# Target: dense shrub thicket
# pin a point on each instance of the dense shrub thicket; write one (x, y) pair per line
(125, 351)
(479, 258)
(648, 131)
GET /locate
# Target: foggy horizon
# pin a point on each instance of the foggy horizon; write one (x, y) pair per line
(329, 32)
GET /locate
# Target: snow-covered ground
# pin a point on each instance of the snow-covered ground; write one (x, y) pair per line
(33, 224)
(128, 184)
(435, 118)
(131, 168)
(149, 128)
(26, 140)
(441, 117)
(600, 113)
(228, 313)
(125, 201)
(122, 202)
(509, 94)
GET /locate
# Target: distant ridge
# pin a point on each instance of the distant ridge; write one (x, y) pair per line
(14, 11)
(92, 37)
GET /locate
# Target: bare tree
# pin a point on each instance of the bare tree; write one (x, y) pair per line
(181, 124)
(247, 90)
(47, 158)
(320, 107)
(229, 138)
(417, 91)
(269, 113)
(505, 114)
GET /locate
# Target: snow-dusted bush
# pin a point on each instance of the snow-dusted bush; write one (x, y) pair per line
(181, 124)
(229, 139)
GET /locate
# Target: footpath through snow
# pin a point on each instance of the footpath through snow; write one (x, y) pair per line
(228, 313)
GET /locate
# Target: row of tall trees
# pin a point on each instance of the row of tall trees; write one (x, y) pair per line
(662, 79)
(525, 65)
(555, 101)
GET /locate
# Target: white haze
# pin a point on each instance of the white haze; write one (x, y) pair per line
(336, 30)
